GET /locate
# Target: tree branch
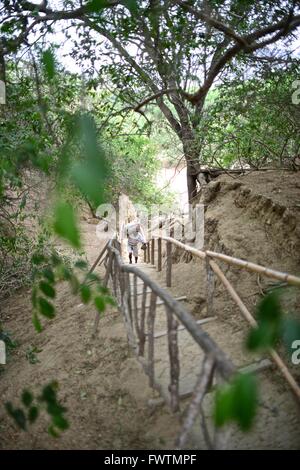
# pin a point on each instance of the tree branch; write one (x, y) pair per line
(282, 29)
(154, 97)
(47, 14)
(217, 24)
(142, 74)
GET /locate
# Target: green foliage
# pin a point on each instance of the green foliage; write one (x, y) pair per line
(15, 265)
(48, 62)
(134, 169)
(47, 289)
(85, 292)
(273, 325)
(34, 122)
(237, 401)
(33, 405)
(94, 6)
(80, 264)
(31, 354)
(46, 308)
(65, 224)
(100, 304)
(27, 398)
(17, 414)
(91, 172)
(54, 409)
(49, 274)
(99, 154)
(36, 322)
(269, 316)
(52, 269)
(252, 122)
(74, 156)
(168, 145)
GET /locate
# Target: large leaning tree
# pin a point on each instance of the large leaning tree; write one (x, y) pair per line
(168, 53)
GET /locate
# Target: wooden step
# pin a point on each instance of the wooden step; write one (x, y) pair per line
(182, 328)
(148, 290)
(257, 366)
(161, 302)
(263, 364)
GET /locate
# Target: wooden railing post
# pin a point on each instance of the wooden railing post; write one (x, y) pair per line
(97, 261)
(127, 309)
(210, 287)
(222, 434)
(150, 324)
(105, 283)
(142, 337)
(114, 276)
(135, 306)
(118, 275)
(247, 315)
(201, 387)
(169, 264)
(108, 269)
(159, 254)
(174, 360)
(152, 251)
(129, 303)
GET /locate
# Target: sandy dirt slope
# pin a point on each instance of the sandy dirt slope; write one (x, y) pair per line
(100, 382)
(277, 423)
(102, 386)
(256, 218)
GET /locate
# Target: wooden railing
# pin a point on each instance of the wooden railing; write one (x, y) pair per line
(139, 310)
(212, 269)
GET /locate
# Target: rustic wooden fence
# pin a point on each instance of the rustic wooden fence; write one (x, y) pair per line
(138, 297)
(212, 270)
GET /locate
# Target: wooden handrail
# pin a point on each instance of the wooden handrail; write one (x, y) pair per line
(247, 315)
(288, 278)
(137, 318)
(253, 267)
(200, 336)
(257, 268)
(188, 249)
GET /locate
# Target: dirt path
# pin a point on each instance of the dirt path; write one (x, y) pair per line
(277, 422)
(102, 386)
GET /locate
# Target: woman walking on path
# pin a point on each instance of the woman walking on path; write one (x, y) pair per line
(135, 235)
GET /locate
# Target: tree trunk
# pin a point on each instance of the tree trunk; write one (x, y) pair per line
(92, 210)
(191, 185)
(191, 154)
(2, 75)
